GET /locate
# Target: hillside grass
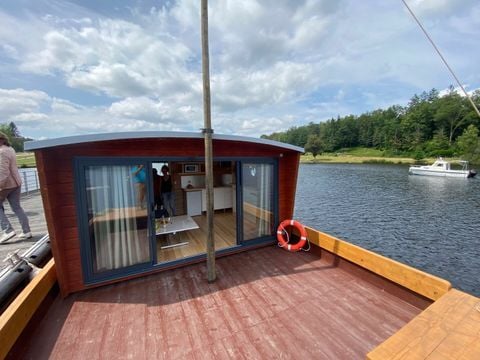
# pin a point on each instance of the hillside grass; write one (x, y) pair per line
(26, 159)
(358, 156)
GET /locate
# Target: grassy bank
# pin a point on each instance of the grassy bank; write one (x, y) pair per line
(357, 156)
(26, 159)
(351, 159)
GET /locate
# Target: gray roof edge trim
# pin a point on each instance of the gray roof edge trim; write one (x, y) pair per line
(81, 139)
(258, 141)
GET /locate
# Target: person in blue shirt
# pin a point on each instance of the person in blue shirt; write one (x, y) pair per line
(139, 178)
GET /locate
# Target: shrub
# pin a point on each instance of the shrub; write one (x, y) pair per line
(419, 155)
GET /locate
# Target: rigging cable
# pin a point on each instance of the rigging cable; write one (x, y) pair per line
(443, 59)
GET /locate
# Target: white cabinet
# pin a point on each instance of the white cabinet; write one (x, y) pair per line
(194, 203)
(222, 198)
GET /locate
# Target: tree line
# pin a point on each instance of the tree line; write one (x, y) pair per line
(430, 125)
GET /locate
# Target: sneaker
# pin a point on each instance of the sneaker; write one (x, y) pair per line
(27, 235)
(7, 236)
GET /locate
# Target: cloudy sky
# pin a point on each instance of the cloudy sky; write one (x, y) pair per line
(88, 66)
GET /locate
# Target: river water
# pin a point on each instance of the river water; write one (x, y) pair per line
(429, 223)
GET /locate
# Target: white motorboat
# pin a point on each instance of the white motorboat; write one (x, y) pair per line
(441, 167)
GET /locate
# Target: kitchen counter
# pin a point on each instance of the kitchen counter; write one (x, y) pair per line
(193, 189)
(196, 198)
(202, 188)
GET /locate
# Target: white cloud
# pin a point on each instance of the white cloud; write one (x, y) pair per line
(29, 119)
(240, 88)
(435, 7)
(63, 106)
(116, 58)
(457, 90)
(274, 63)
(156, 112)
(14, 102)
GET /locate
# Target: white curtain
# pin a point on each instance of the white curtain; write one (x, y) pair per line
(116, 238)
(265, 199)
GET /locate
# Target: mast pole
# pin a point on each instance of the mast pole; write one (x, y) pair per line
(208, 131)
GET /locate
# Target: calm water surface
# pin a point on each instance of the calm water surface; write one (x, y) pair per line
(430, 223)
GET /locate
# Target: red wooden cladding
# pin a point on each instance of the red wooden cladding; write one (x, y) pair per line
(55, 168)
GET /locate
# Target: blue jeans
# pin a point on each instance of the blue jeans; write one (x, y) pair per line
(169, 202)
(13, 197)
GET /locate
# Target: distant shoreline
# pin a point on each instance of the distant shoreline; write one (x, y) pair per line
(352, 159)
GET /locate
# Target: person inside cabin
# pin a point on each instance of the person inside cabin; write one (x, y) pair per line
(157, 191)
(10, 189)
(168, 197)
(139, 177)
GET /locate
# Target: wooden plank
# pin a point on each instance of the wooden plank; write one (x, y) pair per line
(266, 303)
(430, 286)
(15, 318)
(448, 329)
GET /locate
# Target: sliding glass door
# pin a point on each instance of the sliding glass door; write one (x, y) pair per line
(117, 199)
(258, 188)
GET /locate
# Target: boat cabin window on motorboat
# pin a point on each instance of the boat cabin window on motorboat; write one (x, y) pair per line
(123, 204)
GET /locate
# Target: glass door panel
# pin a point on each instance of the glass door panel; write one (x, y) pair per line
(117, 216)
(258, 204)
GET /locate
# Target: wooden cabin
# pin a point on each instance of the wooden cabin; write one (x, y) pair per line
(103, 200)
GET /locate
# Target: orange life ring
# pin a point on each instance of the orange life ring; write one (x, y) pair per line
(284, 243)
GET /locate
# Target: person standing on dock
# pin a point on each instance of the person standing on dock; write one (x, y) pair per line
(10, 189)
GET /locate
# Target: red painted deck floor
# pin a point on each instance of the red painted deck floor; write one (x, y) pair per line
(266, 303)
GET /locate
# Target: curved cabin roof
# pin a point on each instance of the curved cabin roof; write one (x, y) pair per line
(82, 139)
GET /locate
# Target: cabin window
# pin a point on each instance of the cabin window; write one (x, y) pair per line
(117, 216)
(258, 200)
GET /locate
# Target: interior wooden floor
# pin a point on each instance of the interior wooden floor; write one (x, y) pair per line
(266, 303)
(195, 241)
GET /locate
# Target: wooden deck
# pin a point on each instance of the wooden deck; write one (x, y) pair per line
(266, 303)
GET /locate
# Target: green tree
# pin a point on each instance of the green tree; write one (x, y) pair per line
(450, 113)
(429, 125)
(418, 123)
(14, 130)
(468, 144)
(314, 145)
(15, 139)
(439, 145)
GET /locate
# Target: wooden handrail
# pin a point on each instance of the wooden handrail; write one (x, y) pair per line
(420, 282)
(17, 315)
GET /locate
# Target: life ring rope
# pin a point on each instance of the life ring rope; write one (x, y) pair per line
(286, 243)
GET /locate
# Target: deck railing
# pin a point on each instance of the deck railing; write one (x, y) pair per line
(30, 181)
